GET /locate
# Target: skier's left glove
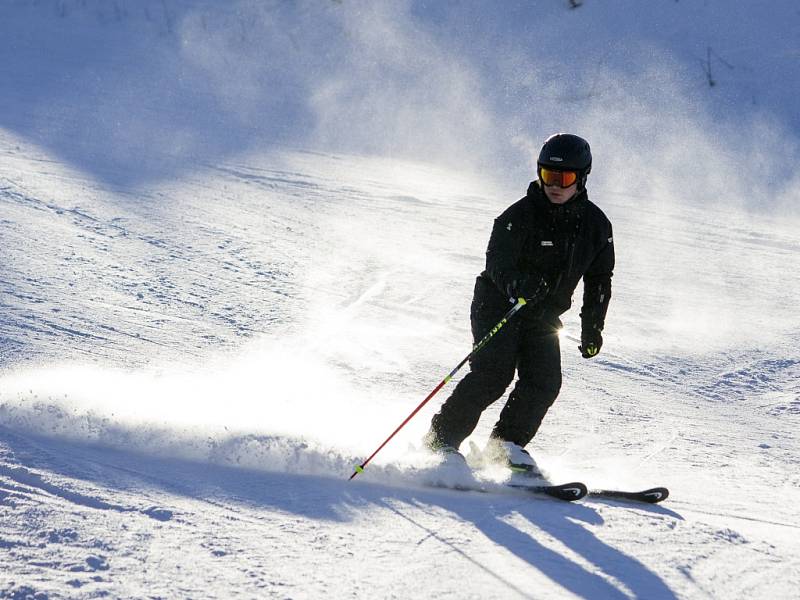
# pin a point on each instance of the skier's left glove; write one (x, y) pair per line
(591, 342)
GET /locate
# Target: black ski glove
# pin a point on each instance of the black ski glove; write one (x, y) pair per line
(533, 290)
(591, 342)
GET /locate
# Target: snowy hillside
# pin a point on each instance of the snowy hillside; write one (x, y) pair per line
(237, 247)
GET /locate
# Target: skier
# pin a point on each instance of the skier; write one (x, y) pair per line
(539, 249)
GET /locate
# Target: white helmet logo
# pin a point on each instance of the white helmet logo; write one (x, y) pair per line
(556, 159)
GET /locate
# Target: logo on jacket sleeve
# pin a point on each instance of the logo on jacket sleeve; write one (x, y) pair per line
(508, 226)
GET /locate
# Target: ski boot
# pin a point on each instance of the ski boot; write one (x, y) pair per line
(513, 456)
(448, 453)
(452, 470)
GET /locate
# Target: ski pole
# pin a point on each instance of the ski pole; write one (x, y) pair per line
(475, 349)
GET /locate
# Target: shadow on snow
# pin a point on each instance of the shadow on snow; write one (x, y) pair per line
(329, 499)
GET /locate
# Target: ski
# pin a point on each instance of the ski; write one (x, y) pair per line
(651, 496)
(567, 491)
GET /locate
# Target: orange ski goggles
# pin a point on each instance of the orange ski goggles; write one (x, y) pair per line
(562, 179)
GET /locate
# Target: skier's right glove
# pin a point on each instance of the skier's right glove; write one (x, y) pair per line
(591, 342)
(532, 289)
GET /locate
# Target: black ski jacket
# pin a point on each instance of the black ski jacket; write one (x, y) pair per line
(561, 243)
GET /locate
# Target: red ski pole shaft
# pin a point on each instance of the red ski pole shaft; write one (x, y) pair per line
(475, 349)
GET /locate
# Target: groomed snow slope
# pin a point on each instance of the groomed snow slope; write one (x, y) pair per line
(138, 463)
(196, 349)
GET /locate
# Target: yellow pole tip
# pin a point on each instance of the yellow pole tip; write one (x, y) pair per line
(359, 469)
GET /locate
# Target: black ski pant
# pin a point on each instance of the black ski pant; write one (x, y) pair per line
(528, 345)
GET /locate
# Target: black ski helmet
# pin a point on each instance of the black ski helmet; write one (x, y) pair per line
(567, 152)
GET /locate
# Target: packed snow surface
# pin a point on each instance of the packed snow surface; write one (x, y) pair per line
(217, 299)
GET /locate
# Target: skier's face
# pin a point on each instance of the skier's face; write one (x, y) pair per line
(559, 195)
